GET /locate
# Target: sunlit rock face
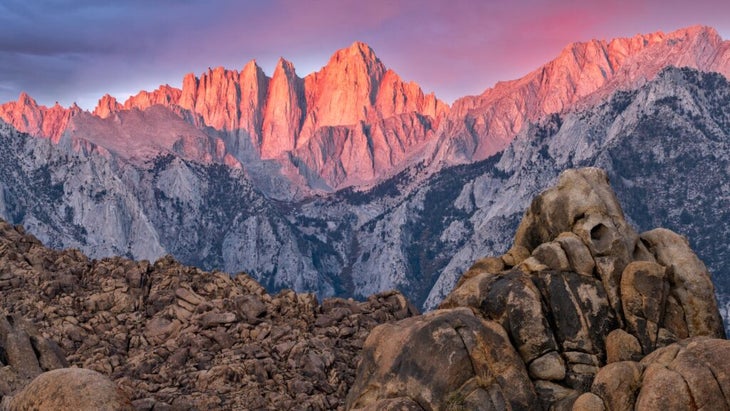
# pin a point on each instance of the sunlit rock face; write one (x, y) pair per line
(28, 116)
(355, 122)
(480, 126)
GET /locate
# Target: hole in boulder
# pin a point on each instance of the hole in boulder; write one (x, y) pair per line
(601, 237)
(598, 231)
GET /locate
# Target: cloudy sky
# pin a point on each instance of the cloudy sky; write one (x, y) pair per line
(77, 50)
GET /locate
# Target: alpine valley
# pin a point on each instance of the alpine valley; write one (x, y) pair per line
(351, 181)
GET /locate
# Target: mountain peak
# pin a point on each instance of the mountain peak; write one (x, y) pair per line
(25, 99)
(107, 106)
(692, 31)
(361, 49)
(583, 73)
(356, 65)
(357, 51)
(286, 65)
(28, 116)
(251, 66)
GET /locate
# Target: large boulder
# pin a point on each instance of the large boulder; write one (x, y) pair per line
(689, 281)
(690, 375)
(617, 383)
(70, 389)
(584, 204)
(644, 292)
(24, 353)
(441, 360)
(512, 300)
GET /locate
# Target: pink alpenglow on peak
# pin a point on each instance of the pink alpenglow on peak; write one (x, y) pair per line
(164, 95)
(283, 113)
(480, 126)
(29, 117)
(107, 106)
(293, 120)
(354, 121)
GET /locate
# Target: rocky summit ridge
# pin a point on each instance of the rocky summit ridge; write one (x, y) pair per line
(355, 122)
(581, 313)
(582, 74)
(350, 122)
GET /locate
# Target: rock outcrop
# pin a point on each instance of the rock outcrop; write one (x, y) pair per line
(165, 335)
(70, 389)
(577, 300)
(28, 116)
(689, 375)
(446, 359)
(24, 351)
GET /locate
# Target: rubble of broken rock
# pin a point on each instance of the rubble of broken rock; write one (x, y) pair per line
(581, 313)
(171, 336)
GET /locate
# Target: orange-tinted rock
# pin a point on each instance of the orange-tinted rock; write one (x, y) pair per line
(283, 113)
(480, 126)
(345, 89)
(107, 106)
(37, 120)
(71, 389)
(254, 85)
(164, 95)
(355, 121)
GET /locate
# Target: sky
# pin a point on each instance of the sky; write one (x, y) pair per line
(70, 51)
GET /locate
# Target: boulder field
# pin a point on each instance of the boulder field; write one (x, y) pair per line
(115, 334)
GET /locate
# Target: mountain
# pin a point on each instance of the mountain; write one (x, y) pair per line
(480, 126)
(211, 214)
(26, 115)
(239, 171)
(349, 123)
(355, 122)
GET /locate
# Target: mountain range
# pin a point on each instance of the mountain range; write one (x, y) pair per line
(350, 180)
